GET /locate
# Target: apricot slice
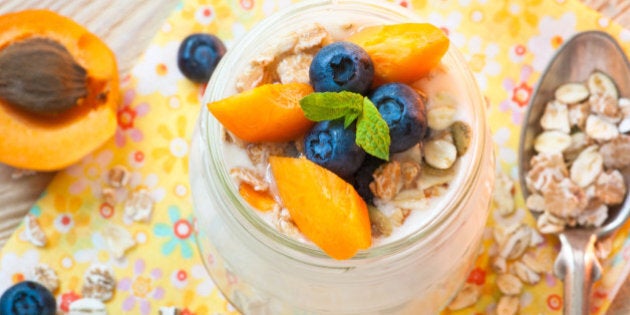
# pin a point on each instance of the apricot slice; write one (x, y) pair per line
(261, 200)
(50, 143)
(268, 113)
(324, 207)
(402, 52)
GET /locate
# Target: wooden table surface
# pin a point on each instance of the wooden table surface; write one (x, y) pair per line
(127, 27)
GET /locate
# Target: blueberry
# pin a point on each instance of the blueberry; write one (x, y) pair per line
(27, 298)
(363, 177)
(341, 66)
(404, 111)
(198, 55)
(332, 146)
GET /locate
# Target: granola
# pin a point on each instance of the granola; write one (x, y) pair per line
(99, 282)
(575, 176)
(46, 276)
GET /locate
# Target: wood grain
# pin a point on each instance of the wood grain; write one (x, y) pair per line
(128, 27)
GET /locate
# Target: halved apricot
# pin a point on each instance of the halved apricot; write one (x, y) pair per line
(51, 143)
(324, 207)
(268, 113)
(402, 52)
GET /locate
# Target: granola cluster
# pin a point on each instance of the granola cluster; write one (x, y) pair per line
(288, 60)
(576, 174)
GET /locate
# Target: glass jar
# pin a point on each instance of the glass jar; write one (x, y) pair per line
(261, 271)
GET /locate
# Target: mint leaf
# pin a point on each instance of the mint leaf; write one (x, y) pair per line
(332, 105)
(372, 131)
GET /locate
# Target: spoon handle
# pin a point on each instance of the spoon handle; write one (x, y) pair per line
(578, 267)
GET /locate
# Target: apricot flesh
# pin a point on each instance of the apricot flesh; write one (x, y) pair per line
(325, 208)
(402, 52)
(270, 112)
(52, 143)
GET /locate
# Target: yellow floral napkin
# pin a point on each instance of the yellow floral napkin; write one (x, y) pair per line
(507, 44)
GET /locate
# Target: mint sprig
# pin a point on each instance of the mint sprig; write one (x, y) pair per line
(372, 131)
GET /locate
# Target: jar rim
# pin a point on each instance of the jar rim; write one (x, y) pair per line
(212, 131)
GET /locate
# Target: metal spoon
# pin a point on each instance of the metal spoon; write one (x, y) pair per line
(576, 263)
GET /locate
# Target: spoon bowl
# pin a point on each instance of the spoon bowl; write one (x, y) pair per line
(584, 53)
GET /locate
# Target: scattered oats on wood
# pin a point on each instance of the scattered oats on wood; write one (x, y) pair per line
(33, 231)
(46, 276)
(509, 284)
(87, 306)
(99, 282)
(467, 296)
(508, 305)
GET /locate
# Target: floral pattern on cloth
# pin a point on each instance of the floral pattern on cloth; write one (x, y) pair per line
(156, 120)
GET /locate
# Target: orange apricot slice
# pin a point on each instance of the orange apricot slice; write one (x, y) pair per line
(261, 200)
(268, 113)
(402, 52)
(324, 207)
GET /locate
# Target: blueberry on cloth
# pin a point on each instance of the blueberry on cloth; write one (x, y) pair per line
(341, 66)
(332, 146)
(199, 55)
(27, 298)
(404, 111)
(363, 177)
